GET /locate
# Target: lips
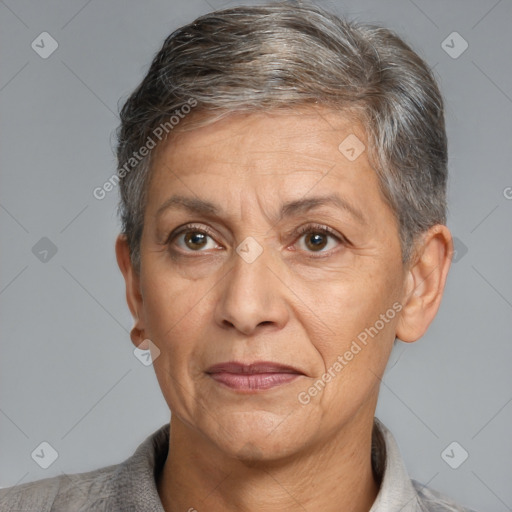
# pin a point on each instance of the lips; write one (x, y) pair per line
(253, 377)
(252, 368)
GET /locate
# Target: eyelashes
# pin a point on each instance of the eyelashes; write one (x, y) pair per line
(325, 231)
(203, 238)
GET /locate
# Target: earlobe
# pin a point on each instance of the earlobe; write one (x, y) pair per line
(139, 339)
(425, 281)
(132, 281)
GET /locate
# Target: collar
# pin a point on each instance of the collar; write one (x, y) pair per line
(396, 489)
(134, 480)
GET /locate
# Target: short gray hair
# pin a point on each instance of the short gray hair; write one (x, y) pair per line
(249, 59)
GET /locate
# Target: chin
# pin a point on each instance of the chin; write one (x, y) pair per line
(255, 439)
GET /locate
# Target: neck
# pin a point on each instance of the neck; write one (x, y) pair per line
(335, 476)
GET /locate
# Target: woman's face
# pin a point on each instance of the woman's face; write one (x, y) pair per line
(253, 276)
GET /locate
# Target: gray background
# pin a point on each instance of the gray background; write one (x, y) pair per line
(68, 371)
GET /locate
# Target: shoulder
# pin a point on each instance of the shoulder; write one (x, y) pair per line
(433, 501)
(127, 486)
(69, 493)
(397, 490)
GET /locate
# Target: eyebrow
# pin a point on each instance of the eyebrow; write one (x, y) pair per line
(296, 207)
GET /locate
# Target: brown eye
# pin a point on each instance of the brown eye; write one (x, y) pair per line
(316, 238)
(316, 241)
(195, 239)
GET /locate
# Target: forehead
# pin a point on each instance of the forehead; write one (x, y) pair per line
(268, 158)
(242, 124)
(267, 143)
(264, 163)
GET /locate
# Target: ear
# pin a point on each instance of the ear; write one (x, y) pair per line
(133, 293)
(425, 280)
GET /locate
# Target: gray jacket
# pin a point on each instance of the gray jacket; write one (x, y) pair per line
(131, 485)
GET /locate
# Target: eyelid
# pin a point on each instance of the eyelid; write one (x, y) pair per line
(320, 228)
(296, 233)
(314, 227)
(203, 228)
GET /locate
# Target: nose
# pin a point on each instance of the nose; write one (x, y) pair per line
(252, 296)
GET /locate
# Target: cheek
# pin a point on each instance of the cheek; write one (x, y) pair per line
(353, 346)
(350, 336)
(168, 299)
(175, 320)
(175, 313)
(342, 307)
